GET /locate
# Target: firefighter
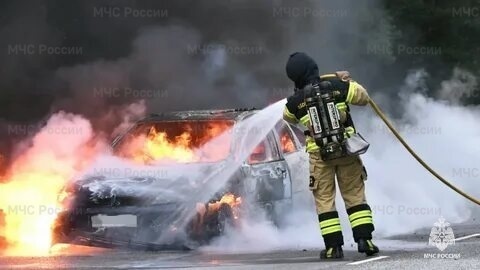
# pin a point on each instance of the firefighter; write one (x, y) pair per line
(348, 170)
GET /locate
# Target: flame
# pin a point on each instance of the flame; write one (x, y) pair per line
(159, 146)
(205, 211)
(3, 242)
(233, 201)
(287, 144)
(230, 199)
(30, 207)
(29, 192)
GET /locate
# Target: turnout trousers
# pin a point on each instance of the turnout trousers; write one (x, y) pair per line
(350, 175)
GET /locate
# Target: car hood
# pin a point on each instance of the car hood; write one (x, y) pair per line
(152, 185)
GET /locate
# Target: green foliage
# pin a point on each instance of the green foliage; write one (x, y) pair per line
(451, 27)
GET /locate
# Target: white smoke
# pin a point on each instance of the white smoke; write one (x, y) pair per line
(463, 84)
(403, 195)
(130, 114)
(299, 229)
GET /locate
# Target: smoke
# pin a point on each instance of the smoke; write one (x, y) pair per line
(298, 228)
(175, 60)
(461, 86)
(403, 194)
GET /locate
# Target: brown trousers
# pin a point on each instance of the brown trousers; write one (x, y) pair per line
(350, 175)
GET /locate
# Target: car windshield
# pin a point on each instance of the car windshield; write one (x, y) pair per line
(177, 142)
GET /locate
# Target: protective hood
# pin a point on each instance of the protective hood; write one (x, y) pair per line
(301, 69)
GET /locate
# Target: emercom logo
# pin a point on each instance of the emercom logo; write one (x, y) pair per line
(441, 236)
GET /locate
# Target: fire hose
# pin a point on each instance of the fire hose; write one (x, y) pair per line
(379, 112)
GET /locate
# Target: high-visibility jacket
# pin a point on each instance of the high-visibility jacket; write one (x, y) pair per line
(296, 112)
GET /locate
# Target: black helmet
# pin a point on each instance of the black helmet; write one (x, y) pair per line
(301, 69)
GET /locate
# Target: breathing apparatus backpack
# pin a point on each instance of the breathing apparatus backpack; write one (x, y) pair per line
(326, 128)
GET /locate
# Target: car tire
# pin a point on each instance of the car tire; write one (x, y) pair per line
(225, 218)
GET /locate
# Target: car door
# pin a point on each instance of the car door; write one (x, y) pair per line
(269, 171)
(292, 148)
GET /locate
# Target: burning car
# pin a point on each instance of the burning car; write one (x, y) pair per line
(190, 188)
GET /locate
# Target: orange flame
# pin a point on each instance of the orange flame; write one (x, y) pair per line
(192, 145)
(157, 146)
(29, 192)
(228, 198)
(206, 210)
(212, 207)
(30, 206)
(287, 144)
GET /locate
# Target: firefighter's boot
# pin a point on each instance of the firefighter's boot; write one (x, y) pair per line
(332, 253)
(367, 247)
(361, 219)
(332, 235)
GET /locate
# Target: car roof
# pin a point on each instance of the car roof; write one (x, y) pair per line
(226, 114)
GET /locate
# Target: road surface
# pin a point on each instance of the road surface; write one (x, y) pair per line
(401, 252)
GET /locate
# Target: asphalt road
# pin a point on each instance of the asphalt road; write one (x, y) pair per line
(401, 252)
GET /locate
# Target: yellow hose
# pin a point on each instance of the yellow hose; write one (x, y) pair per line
(379, 112)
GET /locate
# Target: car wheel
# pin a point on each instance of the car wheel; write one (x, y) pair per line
(217, 223)
(225, 218)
